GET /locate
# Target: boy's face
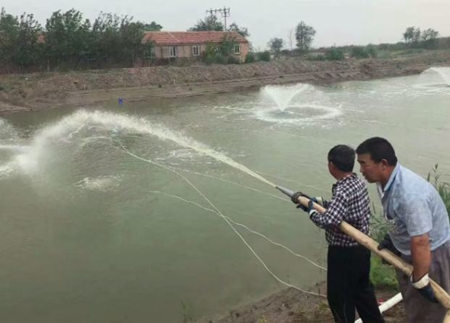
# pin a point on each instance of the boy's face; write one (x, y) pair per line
(372, 171)
(332, 169)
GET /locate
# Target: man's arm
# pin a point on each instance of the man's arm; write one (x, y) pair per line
(421, 256)
(421, 259)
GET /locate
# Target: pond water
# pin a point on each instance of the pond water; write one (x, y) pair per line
(154, 211)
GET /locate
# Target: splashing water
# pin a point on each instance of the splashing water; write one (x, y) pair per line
(443, 72)
(13, 148)
(101, 184)
(291, 108)
(70, 125)
(434, 80)
(283, 95)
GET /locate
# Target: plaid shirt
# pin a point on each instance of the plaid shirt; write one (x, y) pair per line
(350, 203)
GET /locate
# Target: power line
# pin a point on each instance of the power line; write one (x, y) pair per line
(224, 12)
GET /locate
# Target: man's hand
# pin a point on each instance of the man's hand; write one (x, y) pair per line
(423, 286)
(387, 243)
(296, 195)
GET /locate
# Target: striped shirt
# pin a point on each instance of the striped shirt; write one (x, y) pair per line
(350, 203)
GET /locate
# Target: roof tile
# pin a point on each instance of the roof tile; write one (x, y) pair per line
(190, 37)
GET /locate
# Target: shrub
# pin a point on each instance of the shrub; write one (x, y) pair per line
(315, 57)
(264, 56)
(334, 54)
(250, 58)
(359, 52)
(372, 51)
(442, 187)
(232, 60)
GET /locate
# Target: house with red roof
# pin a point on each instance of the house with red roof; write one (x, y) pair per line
(192, 44)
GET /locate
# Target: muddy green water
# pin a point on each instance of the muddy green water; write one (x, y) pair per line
(90, 231)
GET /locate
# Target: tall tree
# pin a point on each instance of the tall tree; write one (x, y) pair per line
(304, 35)
(275, 45)
(9, 29)
(153, 26)
(429, 37)
(429, 34)
(408, 34)
(210, 23)
(132, 48)
(67, 37)
(416, 35)
(19, 40)
(240, 30)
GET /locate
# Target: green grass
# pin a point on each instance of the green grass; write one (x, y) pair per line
(442, 187)
(382, 275)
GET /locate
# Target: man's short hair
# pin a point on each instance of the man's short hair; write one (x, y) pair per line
(378, 148)
(343, 157)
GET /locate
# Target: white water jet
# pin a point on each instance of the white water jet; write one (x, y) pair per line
(70, 125)
(434, 79)
(283, 95)
(443, 72)
(101, 183)
(13, 148)
(291, 108)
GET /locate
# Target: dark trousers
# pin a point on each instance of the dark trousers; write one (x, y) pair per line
(417, 308)
(349, 286)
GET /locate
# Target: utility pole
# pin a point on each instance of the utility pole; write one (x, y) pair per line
(224, 12)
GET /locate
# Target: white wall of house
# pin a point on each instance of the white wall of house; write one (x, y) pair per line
(187, 51)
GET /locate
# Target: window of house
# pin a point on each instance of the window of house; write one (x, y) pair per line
(237, 49)
(195, 50)
(173, 51)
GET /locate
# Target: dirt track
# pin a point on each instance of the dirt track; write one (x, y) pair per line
(52, 90)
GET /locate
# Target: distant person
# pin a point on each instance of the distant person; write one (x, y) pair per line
(348, 283)
(419, 228)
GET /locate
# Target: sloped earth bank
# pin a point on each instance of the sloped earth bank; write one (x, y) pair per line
(292, 306)
(27, 92)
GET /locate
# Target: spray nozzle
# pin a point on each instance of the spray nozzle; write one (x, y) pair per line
(284, 190)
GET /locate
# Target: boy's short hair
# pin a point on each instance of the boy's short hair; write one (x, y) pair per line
(378, 148)
(343, 157)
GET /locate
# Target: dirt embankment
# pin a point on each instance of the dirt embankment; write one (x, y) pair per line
(51, 90)
(293, 306)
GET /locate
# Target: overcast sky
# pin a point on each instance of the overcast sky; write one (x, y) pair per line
(337, 22)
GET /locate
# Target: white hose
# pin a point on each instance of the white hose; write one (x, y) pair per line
(391, 302)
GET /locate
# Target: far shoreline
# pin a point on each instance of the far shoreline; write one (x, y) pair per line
(40, 91)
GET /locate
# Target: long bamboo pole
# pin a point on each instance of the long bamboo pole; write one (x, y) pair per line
(388, 256)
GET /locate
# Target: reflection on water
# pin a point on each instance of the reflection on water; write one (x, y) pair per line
(89, 233)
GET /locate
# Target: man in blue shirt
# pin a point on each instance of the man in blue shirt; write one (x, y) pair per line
(418, 227)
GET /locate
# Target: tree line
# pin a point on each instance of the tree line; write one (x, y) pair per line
(68, 41)
(304, 36)
(420, 38)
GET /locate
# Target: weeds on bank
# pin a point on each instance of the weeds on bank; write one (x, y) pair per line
(442, 187)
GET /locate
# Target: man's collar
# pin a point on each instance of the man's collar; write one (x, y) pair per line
(391, 178)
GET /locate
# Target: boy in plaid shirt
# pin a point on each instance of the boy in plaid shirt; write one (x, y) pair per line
(348, 283)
